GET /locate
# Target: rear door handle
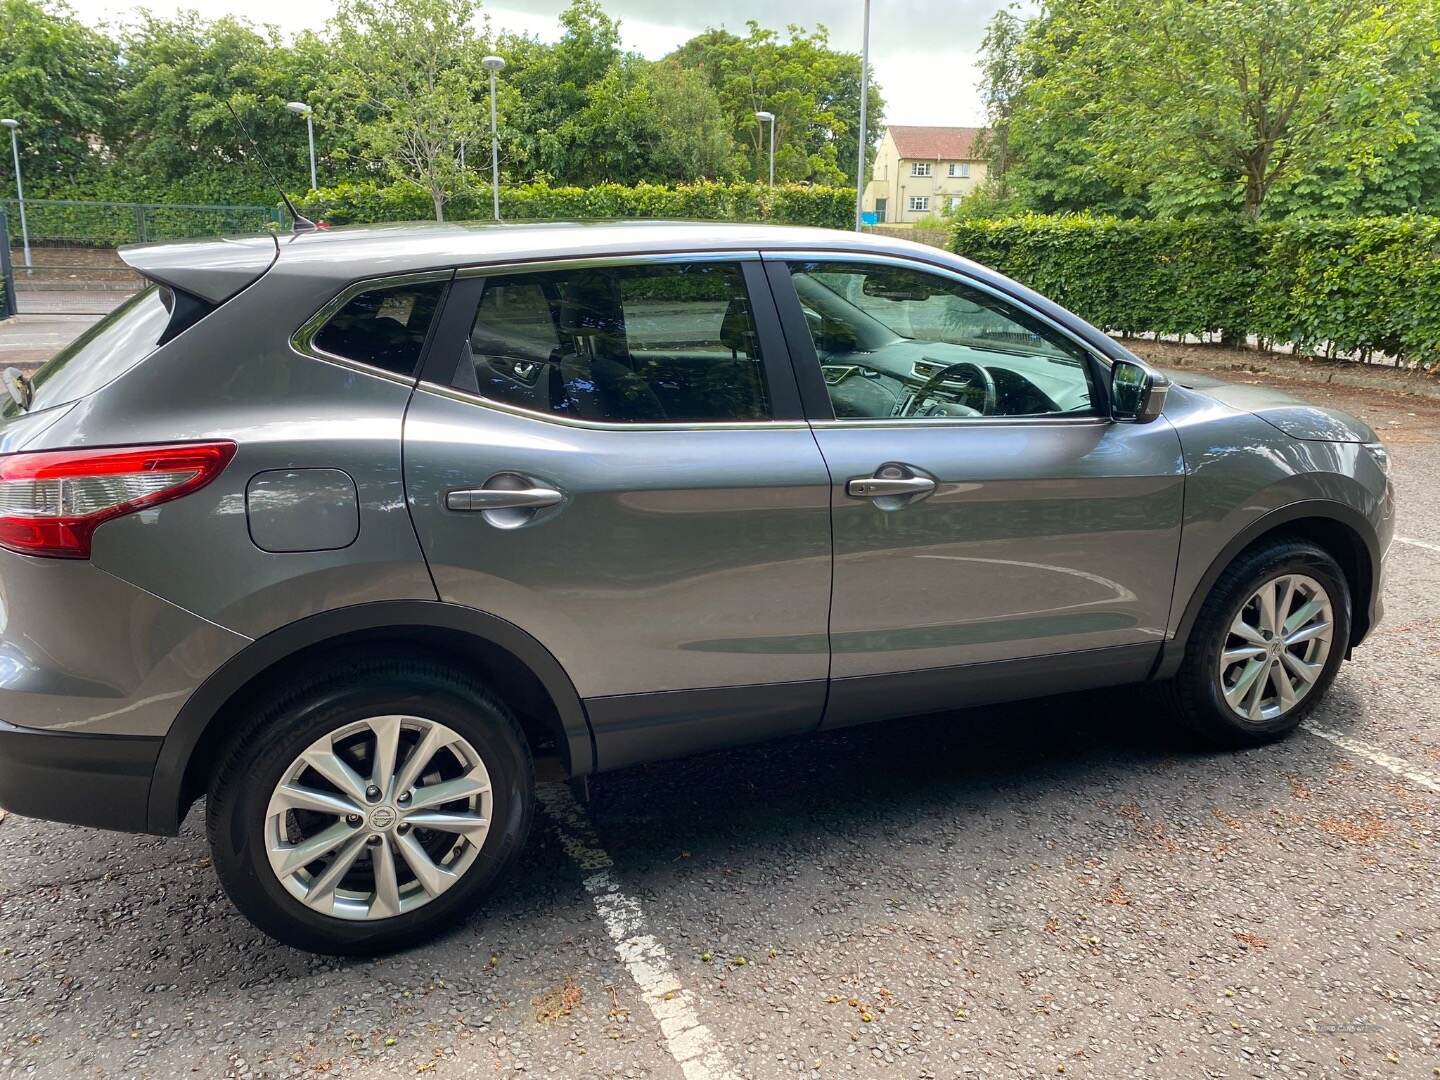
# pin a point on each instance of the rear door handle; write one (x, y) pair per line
(502, 498)
(875, 487)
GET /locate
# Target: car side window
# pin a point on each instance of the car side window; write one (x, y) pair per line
(901, 343)
(384, 328)
(672, 342)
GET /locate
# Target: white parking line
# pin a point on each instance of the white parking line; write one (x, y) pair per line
(1417, 543)
(690, 1042)
(1375, 756)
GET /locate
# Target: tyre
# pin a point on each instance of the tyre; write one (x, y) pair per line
(1265, 646)
(370, 805)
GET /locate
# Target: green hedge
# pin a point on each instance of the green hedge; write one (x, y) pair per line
(1352, 284)
(793, 204)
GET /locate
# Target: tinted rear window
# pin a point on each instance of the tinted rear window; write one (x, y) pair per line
(384, 328)
(103, 353)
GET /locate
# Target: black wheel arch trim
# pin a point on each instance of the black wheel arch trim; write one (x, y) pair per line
(1174, 650)
(205, 704)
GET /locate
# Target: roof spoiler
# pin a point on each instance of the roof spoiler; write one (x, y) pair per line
(214, 270)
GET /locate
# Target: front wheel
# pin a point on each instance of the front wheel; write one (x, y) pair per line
(366, 808)
(1266, 645)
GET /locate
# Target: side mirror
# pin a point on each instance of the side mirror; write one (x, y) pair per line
(1137, 395)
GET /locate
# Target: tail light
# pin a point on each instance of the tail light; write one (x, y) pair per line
(51, 501)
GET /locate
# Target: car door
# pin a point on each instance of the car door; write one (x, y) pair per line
(996, 535)
(612, 455)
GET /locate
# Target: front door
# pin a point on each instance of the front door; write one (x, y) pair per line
(995, 534)
(618, 464)
(880, 205)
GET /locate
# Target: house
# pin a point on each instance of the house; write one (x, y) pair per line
(923, 170)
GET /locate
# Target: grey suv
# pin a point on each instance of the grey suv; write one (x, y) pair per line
(339, 529)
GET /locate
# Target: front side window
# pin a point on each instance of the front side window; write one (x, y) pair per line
(902, 343)
(384, 327)
(920, 168)
(960, 168)
(919, 202)
(674, 342)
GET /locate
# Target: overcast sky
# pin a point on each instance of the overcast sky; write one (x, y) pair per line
(922, 51)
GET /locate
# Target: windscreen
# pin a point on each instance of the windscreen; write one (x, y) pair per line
(103, 353)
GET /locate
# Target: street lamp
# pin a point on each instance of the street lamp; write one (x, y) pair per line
(864, 98)
(493, 64)
(763, 117)
(301, 109)
(19, 187)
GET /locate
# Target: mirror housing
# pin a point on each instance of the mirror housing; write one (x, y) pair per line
(1137, 394)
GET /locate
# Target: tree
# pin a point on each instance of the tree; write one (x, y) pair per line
(405, 87)
(57, 77)
(813, 90)
(1200, 104)
(193, 95)
(694, 140)
(1002, 77)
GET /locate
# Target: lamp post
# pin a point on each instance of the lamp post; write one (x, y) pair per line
(864, 100)
(19, 187)
(301, 109)
(493, 64)
(763, 117)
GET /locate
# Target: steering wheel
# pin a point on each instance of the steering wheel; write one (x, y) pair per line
(979, 377)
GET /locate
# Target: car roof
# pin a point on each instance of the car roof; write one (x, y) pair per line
(428, 245)
(217, 269)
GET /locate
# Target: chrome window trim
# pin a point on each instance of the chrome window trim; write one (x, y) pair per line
(540, 266)
(787, 255)
(302, 340)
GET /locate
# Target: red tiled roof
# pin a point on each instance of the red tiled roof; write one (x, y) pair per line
(936, 143)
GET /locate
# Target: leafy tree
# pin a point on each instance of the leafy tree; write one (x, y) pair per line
(405, 87)
(57, 77)
(1002, 72)
(694, 138)
(172, 125)
(813, 90)
(1205, 104)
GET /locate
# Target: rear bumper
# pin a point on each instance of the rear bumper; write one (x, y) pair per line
(97, 780)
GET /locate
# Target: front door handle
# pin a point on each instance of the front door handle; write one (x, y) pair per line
(875, 487)
(530, 498)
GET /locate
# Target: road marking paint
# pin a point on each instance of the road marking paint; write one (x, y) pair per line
(690, 1042)
(1417, 543)
(1375, 756)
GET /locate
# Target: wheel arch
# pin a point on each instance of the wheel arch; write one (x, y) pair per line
(1343, 532)
(526, 673)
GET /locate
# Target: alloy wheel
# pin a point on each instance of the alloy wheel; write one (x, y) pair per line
(378, 818)
(1276, 647)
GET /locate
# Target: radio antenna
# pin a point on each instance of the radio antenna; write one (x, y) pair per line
(298, 222)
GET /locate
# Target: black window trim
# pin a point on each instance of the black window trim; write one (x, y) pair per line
(450, 340)
(806, 362)
(303, 340)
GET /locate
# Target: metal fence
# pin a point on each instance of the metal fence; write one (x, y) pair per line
(84, 223)
(7, 274)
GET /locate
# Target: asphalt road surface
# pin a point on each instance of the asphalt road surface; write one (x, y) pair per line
(1053, 888)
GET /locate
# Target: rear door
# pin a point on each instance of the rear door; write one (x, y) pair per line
(996, 535)
(612, 455)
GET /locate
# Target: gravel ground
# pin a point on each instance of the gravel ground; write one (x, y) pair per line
(1051, 888)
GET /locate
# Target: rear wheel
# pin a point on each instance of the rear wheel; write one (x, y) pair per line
(1265, 646)
(366, 808)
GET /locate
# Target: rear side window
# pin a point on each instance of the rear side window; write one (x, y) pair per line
(674, 342)
(103, 353)
(384, 328)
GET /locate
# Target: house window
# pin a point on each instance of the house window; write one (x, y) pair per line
(960, 168)
(920, 168)
(919, 202)
(955, 201)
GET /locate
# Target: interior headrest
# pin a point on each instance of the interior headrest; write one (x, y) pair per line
(736, 329)
(590, 304)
